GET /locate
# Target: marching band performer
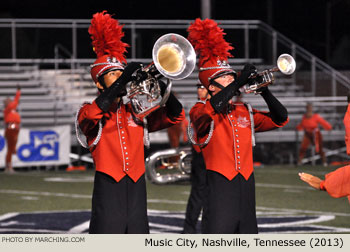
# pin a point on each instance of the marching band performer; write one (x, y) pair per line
(312, 133)
(199, 189)
(115, 137)
(225, 131)
(12, 123)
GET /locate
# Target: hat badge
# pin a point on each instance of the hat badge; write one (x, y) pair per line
(112, 60)
(222, 63)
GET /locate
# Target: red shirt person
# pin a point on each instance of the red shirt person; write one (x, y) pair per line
(336, 183)
(12, 126)
(225, 131)
(312, 135)
(115, 136)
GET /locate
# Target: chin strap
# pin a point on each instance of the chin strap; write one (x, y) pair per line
(220, 100)
(213, 82)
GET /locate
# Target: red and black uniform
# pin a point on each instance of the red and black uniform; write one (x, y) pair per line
(114, 137)
(121, 142)
(226, 130)
(119, 159)
(229, 161)
(312, 134)
(12, 126)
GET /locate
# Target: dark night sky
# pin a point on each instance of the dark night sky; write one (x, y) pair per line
(303, 21)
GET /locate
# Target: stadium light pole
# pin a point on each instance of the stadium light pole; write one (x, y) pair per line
(206, 9)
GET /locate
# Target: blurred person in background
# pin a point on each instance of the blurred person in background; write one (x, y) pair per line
(199, 189)
(12, 126)
(175, 133)
(312, 133)
(115, 137)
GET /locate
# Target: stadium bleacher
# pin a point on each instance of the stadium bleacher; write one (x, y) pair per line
(51, 97)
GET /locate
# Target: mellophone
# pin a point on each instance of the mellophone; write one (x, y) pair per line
(174, 58)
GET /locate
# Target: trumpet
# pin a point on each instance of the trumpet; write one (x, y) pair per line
(173, 58)
(285, 64)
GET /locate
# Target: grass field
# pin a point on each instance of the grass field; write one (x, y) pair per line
(280, 195)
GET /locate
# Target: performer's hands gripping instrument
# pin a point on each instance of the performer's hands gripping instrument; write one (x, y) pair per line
(173, 58)
(285, 64)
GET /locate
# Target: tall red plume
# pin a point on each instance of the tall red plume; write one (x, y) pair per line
(106, 35)
(208, 40)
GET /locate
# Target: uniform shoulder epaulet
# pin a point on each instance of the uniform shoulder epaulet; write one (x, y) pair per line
(79, 133)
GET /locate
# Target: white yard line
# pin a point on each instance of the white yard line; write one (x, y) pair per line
(79, 228)
(34, 231)
(83, 196)
(69, 195)
(284, 186)
(296, 171)
(7, 216)
(180, 202)
(167, 227)
(82, 179)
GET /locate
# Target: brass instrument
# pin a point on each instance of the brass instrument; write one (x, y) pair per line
(162, 169)
(285, 64)
(173, 58)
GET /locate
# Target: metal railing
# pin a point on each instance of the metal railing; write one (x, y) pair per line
(141, 33)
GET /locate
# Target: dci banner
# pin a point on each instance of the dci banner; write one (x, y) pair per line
(39, 146)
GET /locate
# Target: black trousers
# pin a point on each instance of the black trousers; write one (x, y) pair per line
(199, 193)
(231, 205)
(118, 207)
